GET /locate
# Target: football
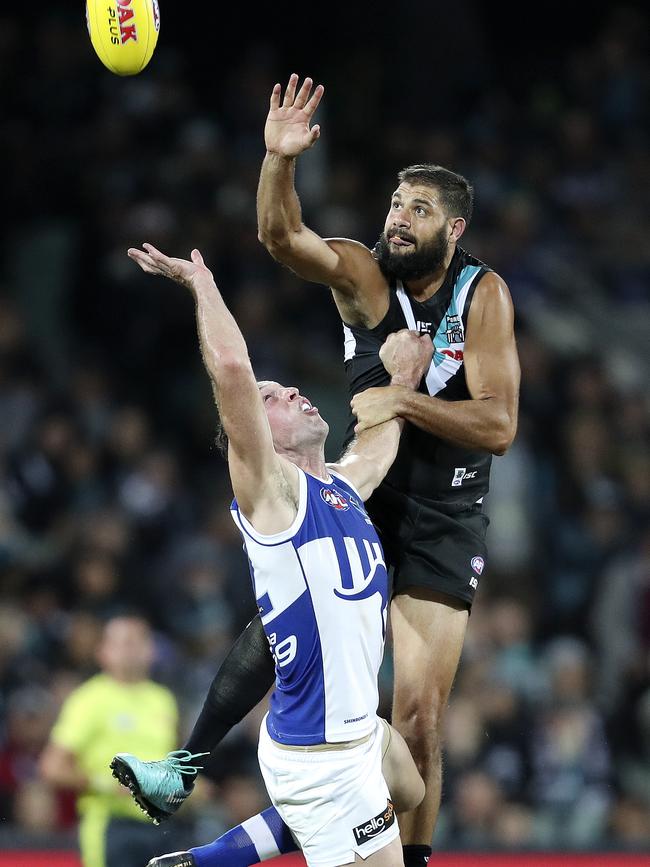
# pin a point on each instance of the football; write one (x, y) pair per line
(124, 33)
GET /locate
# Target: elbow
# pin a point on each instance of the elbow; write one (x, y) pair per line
(504, 437)
(233, 365)
(275, 241)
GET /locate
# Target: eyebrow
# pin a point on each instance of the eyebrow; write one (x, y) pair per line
(428, 202)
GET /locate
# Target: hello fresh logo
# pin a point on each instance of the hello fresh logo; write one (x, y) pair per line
(375, 826)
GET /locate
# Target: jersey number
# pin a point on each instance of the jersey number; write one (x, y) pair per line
(285, 651)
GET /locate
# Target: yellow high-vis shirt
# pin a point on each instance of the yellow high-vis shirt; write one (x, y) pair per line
(103, 717)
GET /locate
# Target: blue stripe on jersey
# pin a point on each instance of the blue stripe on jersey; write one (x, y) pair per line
(466, 276)
(297, 704)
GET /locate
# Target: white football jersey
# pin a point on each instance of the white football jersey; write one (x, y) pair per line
(322, 591)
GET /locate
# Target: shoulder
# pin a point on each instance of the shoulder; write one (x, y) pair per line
(491, 300)
(491, 315)
(491, 287)
(356, 259)
(88, 689)
(340, 475)
(86, 703)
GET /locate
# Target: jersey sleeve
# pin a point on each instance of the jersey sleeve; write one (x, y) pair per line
(76, 722)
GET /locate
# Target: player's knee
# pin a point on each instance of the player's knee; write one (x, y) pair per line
(419, 722)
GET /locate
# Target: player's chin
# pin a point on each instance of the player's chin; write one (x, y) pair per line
(320, 423)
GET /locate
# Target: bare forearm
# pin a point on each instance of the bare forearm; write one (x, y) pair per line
(278, 207)
(221, 342)
(475, 424)
(378, 445)
(61, 770)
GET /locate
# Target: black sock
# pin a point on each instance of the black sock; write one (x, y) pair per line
(242, 681)
(416, 856)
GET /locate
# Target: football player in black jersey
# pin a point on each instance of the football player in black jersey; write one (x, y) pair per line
(429, 509)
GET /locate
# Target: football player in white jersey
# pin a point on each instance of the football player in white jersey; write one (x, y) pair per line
(322, 745)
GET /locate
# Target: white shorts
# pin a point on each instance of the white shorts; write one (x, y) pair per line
(336, 802)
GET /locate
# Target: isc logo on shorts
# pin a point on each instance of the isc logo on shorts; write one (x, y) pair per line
(461, 475)
(373, 827)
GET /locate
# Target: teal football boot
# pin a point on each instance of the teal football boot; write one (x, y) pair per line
(159, 788)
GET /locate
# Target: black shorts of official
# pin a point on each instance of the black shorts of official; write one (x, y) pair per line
(433, 546)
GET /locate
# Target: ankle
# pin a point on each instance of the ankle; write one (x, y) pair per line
(416, 856)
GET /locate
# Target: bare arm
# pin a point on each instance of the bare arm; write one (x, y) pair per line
(346, 266)
(59, 767)
(266, 485)
(371, 454)
(488, 421)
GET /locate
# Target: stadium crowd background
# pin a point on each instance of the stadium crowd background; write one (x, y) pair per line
(112, 492)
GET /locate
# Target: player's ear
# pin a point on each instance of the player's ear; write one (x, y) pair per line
(458, 226)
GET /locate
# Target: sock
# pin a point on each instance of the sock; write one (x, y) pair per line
(243, 679)
(416, 856)
(258, 839)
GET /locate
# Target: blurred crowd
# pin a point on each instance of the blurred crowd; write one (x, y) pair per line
(112, 493)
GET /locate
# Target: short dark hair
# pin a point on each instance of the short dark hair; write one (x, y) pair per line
(456, 192)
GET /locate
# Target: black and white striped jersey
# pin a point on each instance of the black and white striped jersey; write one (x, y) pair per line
(426, 466)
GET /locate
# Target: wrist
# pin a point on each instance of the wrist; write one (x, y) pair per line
(403, 380)
(401, 388)
(279, 157)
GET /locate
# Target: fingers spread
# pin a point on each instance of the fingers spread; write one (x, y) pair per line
(154, 252)
(144, 261)
(316, 97)
(290, 92)
(275, 97)
(303, 94)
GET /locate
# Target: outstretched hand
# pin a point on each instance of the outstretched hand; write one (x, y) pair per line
(287, 131)
(192, 273)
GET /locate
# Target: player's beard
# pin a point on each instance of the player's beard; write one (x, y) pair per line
(420, 261)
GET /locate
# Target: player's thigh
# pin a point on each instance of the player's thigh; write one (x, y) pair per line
(390, 856)
(400, 772)
(428, 634)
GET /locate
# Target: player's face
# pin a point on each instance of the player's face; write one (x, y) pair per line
(416, 235)
(294, 420)
(126, 650)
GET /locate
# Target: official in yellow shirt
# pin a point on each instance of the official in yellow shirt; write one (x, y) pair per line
(118, 709)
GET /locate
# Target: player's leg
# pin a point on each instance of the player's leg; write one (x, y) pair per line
(242, 681)
(428, 634)
(260, 838)
(404, 782)
(389, 856)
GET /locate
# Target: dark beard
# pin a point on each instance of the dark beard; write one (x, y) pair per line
(424, 260)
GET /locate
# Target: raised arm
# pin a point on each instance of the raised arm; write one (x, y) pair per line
(372, 452)
(266, 485)
(344, 265)
(489, 420)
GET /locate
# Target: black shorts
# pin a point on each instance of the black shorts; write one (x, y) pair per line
(429, 545)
